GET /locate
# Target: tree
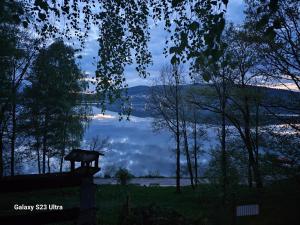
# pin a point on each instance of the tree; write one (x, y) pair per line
(217, 71)
(273, 27)
(165, 102)
(197, 133)
(17, 52)
(54, 99)
(244, 99)
(124, 31)
(123, 176)
(184, 120)
(123, 35)
(232, 76)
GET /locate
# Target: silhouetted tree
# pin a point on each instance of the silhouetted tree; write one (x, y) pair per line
(54, 101)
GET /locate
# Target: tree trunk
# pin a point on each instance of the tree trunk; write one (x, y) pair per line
(187, 153)
(177, 135)
(45, 144)
(195, 152)
(252, 161)
(63, 147)
(249, 174)
(177, 163)
(13, 134)
(48, 161)
(44, 154)
(256, 135)
(251, 147)
(223, 141)
(1, 153)
(2, 127)
(61, 160)
(38, 154)
(13, 137)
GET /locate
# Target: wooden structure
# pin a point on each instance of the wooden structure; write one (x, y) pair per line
(81, 176)
(86, 158)
(87, 188)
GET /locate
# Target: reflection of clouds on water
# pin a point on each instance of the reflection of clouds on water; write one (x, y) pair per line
(102, 117)
(132, 144)
(135, 146)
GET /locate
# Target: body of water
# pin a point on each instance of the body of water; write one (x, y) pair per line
(163, 182)
(134, 145)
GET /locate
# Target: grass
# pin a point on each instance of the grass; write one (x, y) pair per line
(279, 202)
(110, 200)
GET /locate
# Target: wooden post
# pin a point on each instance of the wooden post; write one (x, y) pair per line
(87, 202)
(72, 166)
(234, 209)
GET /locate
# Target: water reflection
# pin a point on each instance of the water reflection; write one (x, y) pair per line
(134, 145)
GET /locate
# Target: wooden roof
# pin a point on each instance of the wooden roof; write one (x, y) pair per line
(80, 155)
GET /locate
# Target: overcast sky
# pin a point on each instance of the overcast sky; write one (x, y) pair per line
(156, 45)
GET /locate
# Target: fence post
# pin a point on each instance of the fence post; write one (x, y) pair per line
(233, 209)
(87, 214)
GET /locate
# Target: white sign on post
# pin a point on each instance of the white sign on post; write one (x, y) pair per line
(247, 210)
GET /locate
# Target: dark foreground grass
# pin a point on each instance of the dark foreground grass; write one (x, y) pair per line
(111, 199)
(280, 203)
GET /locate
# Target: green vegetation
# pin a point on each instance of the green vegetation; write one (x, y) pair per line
(202, 206)
(123, 176)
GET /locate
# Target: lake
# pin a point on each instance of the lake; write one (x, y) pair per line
(163, 182)
(134, 145)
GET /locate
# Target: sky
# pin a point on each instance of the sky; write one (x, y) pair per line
(158, 36)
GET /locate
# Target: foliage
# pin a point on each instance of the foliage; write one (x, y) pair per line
(273, 26)
(53, 116)
(194, 26)
(123, 176)
(214, 170)
(17, 50)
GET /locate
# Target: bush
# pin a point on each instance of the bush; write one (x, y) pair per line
(123, 176)
(106, 176)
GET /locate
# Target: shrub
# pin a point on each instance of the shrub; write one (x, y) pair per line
(123, 176)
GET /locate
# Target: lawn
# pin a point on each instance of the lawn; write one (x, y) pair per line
(279, 203)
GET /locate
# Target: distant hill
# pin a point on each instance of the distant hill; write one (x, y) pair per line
(140, 95)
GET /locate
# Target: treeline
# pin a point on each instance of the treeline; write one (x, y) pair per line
(41, 112)
(263, 51)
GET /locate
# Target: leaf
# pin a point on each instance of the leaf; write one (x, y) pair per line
(273, 5)
(25, 24)
(225, 2)
(194, 26)
(206, 77)
(42, 4)
(184, 41)
(173, 50)
(42, 16)
(176, 2)
(277, 23)
(270, 33)
(174, 60)
(16, 19)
